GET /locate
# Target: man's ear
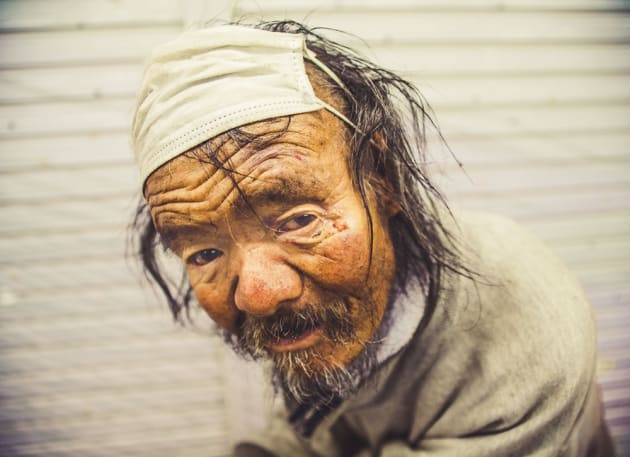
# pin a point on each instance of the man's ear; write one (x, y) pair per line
(387, 200)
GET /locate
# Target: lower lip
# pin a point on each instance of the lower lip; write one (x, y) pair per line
(306, 340)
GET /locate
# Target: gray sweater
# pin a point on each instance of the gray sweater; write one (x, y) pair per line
(504, 368)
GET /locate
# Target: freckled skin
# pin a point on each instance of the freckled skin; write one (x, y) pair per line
(313, 241)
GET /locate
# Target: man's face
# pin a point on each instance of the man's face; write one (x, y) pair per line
(284, 264)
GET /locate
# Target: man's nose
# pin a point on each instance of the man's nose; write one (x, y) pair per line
(265, 281)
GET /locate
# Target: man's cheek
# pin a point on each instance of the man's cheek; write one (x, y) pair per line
(342, 261)
(217, 308)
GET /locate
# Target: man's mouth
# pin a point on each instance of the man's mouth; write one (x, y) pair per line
(296, 330)
(294, 343)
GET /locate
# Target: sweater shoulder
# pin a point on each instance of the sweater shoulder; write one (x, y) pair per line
(521, 304)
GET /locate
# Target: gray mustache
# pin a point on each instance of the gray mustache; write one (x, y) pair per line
(332, 318)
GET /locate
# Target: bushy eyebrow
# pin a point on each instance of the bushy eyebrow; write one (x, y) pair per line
(292, 189)
(273, 195)
(174, 236)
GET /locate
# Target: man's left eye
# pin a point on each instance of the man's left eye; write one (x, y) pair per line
(296, 223)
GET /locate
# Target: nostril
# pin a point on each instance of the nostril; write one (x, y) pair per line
(239, 322)
(234, 287)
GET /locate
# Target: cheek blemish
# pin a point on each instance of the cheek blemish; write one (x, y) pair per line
(340, 225)
(336, 221)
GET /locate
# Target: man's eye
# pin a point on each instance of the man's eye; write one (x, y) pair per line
(297, 222)
(204, 257)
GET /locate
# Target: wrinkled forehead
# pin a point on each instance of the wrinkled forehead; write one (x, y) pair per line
(224, 151)
(305, 137)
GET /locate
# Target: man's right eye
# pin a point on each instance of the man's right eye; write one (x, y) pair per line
(204, 257)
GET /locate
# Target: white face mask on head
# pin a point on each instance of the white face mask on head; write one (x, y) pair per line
(209, 81)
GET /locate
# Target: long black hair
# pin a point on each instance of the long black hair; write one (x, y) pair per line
(389, 142)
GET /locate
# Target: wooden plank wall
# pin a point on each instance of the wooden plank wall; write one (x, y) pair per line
(533, 96)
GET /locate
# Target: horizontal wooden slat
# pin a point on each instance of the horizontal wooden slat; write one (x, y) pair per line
(110, 351)
(532, 121)
(82, 330)
(546, 205)
(430, 60)
(153, 423)
(125, 378)
(152, 435)
(179, 442)
(94, 273)
(604, 276)
(421, 27)
(557, 230)
(36, 14)
(95, 116)
(594, 252)
(252, 6)
(132, 298)
(60, 216)
(180, 447)
(526, 152)
(68, 216)
(40, 248)
(547, 90)
(66, 151)
(512, 179)
(614, 297)
(81, 46)
(79, 184)
(155, 440)
(160, 372)
(612, 316)
(50, 84)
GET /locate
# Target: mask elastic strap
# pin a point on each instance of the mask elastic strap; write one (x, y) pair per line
(311, 57)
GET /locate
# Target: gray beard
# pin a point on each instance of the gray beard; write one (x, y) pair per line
(305, 375)
(329, 381)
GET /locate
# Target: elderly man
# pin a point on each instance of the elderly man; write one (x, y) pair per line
(287, 174)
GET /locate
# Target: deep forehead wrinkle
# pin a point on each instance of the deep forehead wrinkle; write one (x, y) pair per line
(265, 134)
(285, 189)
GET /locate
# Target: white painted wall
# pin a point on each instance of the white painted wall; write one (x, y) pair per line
(533, 96)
